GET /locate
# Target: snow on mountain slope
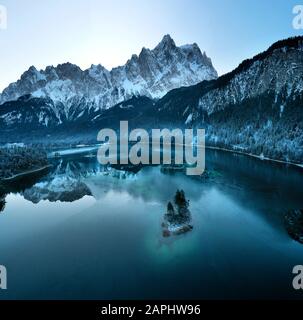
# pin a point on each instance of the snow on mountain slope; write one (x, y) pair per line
(281, 73)
(256, 108)
(277, 71)
(153, 73)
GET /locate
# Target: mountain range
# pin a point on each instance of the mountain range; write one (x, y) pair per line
(256, 108)
(71, 92)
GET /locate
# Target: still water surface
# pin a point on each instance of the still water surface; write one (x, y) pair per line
(82, 233)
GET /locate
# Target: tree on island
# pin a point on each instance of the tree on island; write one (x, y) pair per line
(2, 204)
(170, 208)
(180, 200)
(177, 221)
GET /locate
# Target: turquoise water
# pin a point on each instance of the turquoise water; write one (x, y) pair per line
(83, 233)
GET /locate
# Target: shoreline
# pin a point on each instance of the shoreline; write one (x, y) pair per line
(298, 165)
(72, 151)
(25, 173)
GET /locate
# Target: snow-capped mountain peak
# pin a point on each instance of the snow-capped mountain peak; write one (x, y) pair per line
(167, 43)
(152, 73)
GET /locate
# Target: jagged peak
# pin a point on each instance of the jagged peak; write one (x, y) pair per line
(32, 69)
(144, 52)
(167, 42)
(135, 76)
(68, 65)
(31, 74)
(167, 39)
(133, 60)
(49, 68)
(134, 56)
(189, 46)
(98, 67)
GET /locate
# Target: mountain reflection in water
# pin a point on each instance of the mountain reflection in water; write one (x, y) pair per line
(95, 222)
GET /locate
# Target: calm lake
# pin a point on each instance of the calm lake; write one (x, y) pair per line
(82, 232)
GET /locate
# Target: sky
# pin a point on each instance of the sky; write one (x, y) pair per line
(86, 32)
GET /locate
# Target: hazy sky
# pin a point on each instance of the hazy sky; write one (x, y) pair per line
(83, 32)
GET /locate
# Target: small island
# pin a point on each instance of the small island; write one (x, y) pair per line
(2, 200)
(17, 161)
(177, 218)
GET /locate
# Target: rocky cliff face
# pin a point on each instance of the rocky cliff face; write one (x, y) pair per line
(277, 71)
(256, 108)
(73, 92)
